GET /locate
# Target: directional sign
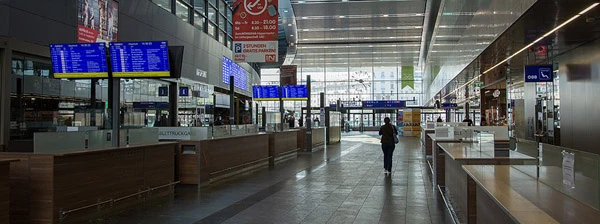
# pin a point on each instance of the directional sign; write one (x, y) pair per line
(184, 91)
(538, 73)
(163, 91)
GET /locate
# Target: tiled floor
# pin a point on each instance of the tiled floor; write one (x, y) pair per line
(344, 183)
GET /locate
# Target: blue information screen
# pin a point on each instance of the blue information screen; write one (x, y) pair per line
(294, 92)
(538, 73)
(140, 59)
(449, 105)
(82, 61)
(265, 92)
(231, 68)
(384, 104)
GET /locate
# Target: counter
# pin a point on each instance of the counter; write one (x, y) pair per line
(450, 174)
(75, 186)
(283, 145)
(5, 190)
(426, 141)
(504, 194)
(318, 138)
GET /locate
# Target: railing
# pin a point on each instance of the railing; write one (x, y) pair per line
(63, 214)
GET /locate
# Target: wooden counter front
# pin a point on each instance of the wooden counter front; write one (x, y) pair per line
(5, 190)
(318, 138)
(282, 144)
(506, 193)
(44, 185)
(455, 180)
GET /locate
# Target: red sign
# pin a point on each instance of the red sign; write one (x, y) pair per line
(287, 74)
(255, 29)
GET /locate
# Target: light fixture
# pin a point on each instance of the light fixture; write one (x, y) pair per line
(289, 24)
(386, 15)
(342, 17)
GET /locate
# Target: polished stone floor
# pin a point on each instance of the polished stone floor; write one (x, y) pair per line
(343, 183)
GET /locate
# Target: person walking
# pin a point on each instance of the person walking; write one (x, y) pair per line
(387, 132)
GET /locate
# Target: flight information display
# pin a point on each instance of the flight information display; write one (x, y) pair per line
(231, 68)
(383, 103)
(79, 61)
(265, 92)
(140, 59)
(294, 92)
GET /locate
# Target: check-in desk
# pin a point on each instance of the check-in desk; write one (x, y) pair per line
(454, 179)
(426, 141)
(5, 189)
(318, 138)
(78, 185)
(505, 194)
(283, 145)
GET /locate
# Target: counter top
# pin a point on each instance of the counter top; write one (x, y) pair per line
(461, 151)
(526, 200)
(85, 151)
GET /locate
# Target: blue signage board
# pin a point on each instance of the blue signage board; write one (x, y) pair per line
(139, 59)
(163, 91)
(239, 74)
(538, 73)
(79, 60)
(265, 92)
(184, 91)
(449, 105)
(151, 105)
(384, 104)
(294, 92)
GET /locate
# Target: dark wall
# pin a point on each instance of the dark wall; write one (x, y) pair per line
(44, 22)
(578, 98)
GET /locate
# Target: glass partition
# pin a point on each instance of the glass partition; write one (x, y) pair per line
(139, 136)
(53, 142)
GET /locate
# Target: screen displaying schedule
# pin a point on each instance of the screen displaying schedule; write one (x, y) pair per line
(265, 92)
(140, 59)
(231, 68)
(384, 104)
(82, 61)
(294, 92)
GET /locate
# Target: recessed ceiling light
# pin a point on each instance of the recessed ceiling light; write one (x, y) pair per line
(386, 15)
(388, 27)
(285, 10)
(332, 29)
(304, 17)
(342, 17)
(289, 24)
(291, 35)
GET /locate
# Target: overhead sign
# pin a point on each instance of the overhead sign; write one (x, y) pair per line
(79, 60)
(538, 73)
(184, 91)
(265, 92)
(294, 92)
(97, 21)
(151, 105)
(139, 59)
(383, 104)
(230, 68)
(288, 74)
(449, 105)
(255, 30)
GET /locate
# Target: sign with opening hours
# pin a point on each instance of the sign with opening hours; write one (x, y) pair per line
(255, 30)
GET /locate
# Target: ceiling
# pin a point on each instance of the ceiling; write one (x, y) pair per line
(359, 33)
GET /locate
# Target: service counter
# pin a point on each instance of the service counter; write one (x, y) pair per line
(426, 141)
(213, 159)
(453, 179)
(334, 135)
(78, 185)
(318, 138)
(5, 189)
(505, 194)
(283, 145)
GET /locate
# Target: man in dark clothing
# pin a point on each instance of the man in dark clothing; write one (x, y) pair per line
(440, 119)
(387, 132)
(468, 120)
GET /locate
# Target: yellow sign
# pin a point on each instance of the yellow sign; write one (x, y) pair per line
(141, 74)
(81, 75)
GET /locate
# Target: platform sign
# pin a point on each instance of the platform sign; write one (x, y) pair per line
(255, 30)
(294, 92)
(265, 93)
(140, 59)
(79, 61)
(538, 73)
(383, 104)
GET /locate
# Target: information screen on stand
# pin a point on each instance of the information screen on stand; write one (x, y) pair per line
(384, 104)
(79, 61)
(263, 93)
(294, 92)
(140, 59)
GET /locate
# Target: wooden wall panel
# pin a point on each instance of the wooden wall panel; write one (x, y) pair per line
(19, 187)
(4, 192)
(285, 142)
(188, 163)
(225, 153)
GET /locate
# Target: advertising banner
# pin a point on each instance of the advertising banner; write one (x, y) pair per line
(288, 74)
(255, 29)
(97, 21)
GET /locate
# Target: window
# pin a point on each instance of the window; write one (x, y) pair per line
(212, 29)
(213, 2)
(222, 7)
(183, 11)
(212, 14)
(199, 21)
(229, 29)
(229, 14)
(165, 4)
(199, 5)
(222, 23)
(222, 37)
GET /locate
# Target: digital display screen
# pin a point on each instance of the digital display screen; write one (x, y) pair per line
(294, 92)
(140, 59)
(383, 103)
(81, 61)
(265, 92)
(231, 68)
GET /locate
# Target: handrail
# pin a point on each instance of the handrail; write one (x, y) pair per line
(63, 214)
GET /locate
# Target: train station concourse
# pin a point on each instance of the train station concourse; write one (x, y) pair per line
(299, 111)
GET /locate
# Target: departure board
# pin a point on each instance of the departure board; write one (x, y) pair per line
(294, 92)
(140, 59)
(79, 61)
(265, 93)
(239, 74)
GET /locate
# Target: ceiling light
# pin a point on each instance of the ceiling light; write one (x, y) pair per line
(304, 17)
(289, 24)
(291, 35)
(332, 29)
(285, 10)
(386, 15)
(342, 16)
